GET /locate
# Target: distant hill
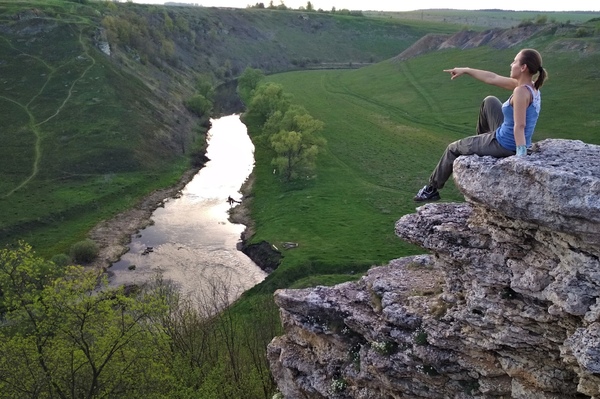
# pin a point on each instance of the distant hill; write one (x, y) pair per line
(564, 37)
(490, 18)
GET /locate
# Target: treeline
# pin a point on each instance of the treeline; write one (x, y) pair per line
(308, 8)
(291, 132)
(61, 336)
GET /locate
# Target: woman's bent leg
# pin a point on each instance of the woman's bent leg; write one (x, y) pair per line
(490, 115)
(483, 144)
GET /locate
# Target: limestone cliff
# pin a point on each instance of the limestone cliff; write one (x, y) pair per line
(507, 304)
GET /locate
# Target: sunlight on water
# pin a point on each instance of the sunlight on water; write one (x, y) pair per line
(192, 243)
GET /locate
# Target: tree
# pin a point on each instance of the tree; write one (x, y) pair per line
(297, 144)
(248, 82)
(204, 86)
(199, 105)
(287, 120)
(63, 337)
(268, 98)
(309, 6)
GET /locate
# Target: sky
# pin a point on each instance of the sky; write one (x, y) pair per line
(396, 5)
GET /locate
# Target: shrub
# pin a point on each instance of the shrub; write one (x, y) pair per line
(525, 22)
(199, 105)
(384, 347)
(338, 385)
(84, 251)
(61, 260)
(420, 338)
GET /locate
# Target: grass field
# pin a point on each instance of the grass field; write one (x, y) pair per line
(489, 18)
(386, 126)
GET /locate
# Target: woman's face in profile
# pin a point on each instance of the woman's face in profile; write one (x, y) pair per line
(516, 67)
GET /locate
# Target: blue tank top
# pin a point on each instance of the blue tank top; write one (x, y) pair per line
(505, 134)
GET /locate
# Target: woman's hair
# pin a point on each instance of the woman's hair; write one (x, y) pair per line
(533, 60)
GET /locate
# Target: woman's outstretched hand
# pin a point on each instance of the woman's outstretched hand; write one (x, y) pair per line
(455, 72)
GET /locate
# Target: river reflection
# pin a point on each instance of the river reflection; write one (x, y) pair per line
(192, 243)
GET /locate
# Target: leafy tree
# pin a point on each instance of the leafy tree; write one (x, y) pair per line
(248, 82)
(287, 120)
(268, 99)
(309, 6)
(199, 105)
(168, 21)
(205, 87)
(61, 337)
(297, 144)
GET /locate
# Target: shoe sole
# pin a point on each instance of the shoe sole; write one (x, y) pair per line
(427, 199)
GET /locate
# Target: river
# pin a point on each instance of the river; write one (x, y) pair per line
(191, 242)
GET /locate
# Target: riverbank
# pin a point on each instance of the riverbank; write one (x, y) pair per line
(182, 232)
(263, 254)
(113, 235)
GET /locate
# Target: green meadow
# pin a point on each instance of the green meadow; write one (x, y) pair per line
(386, 127)
(85, 136)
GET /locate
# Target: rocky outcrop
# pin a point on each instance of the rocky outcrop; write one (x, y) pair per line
(507, 304)
(466, 39)
(263, 254)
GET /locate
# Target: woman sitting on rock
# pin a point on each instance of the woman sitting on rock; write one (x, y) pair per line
(502, 129)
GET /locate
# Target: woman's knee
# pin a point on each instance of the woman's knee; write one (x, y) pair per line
(455, 147)
(491, 101)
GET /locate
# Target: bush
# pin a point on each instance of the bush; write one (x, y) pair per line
(199, 105)
(61, 260)
(525, 22)
(84, 251)
(582, 32)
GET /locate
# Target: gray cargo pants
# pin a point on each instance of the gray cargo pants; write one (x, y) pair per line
(484, 143)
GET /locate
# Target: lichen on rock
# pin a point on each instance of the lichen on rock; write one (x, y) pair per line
(506, 305)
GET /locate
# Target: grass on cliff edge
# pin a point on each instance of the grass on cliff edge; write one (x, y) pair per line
(386, 126)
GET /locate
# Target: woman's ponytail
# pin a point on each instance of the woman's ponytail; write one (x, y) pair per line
(542, 76)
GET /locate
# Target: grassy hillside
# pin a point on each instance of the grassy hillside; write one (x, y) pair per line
(490, 18)
(386, 126)
(86, 134)
(79, 136)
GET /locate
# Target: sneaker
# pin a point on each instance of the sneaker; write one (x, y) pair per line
(427, 193)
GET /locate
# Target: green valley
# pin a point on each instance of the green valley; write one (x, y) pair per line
(96, 115)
